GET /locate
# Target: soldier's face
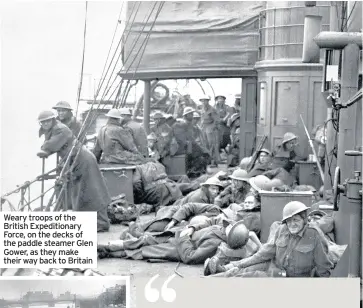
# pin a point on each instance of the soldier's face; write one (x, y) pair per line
(264, 158)
(62, 113)
(237, 184)
(47, 124)
(189, 117)
(205, 102)
(295, 224)
(290, 145)
(249, 203)
(213, 190)
(221, 100)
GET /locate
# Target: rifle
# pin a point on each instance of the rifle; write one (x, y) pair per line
(256, 153)
(313, 149)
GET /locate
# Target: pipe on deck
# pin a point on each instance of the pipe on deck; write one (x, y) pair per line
(338, 40)
(147, 99)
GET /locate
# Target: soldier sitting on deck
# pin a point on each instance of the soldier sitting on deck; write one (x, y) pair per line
(138, 131)
(236, 192)
(262, 164)
(296, 248)
(164, 133)
(190, 246)
(115, 144)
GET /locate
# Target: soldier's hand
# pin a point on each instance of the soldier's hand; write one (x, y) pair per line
(187, 231)
(169, 225)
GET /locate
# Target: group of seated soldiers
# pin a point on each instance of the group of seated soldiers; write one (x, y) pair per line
(213, 219)
(216, 220)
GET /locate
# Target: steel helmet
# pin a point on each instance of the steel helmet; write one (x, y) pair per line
(204, 97)
(62, 105)
(125, 111)
(114, 113)
(244, 162)
(261, 182)
(152, 136)
(293, 208)
(196, 115)
(158, 115)
(188, 110)
(240, 175)
(288, 137)
(265, 151)
(238, 236)
(212, 181)
(196, 220)
(46, 115)
(219, 95)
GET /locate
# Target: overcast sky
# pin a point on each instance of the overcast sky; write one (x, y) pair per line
(85, 287)
(41, 53)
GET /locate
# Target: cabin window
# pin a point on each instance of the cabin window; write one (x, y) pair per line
(262, 103)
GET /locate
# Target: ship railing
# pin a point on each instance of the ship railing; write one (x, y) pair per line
(22, 195)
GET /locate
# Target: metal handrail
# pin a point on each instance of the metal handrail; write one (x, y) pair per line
(291, 7)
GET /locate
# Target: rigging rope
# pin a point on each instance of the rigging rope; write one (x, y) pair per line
(73, 147)
(82, 66)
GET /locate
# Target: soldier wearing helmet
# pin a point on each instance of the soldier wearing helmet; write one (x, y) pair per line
(193, 245)
(262, 164)
(196, 156)
(209, 126)
(137, 129)
(285, 156)
(236, 192)
(86, 188)
(296, 248)
(166, 144)
(115, 144)
(241, 243)
(65, 116)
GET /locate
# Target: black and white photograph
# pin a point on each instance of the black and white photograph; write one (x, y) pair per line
(212, 138)
(78, 292)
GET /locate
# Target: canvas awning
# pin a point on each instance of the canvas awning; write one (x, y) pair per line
(193, 39)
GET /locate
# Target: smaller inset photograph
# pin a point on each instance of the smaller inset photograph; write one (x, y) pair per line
(65, 292)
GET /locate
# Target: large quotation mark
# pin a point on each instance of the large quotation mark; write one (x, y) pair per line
(152, 295)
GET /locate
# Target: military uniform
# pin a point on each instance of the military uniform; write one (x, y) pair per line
(140, 137)
(164, 134)
(196, 156)
(73, 124)
(152, 186)
(303, 255)
(86, 188)
(115, 145)
(209, 124)
(229, 195)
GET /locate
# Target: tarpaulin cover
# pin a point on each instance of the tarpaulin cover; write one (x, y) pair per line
(190, 39)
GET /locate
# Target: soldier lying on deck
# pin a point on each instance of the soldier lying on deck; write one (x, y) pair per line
(191, 246)
(169, 218)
